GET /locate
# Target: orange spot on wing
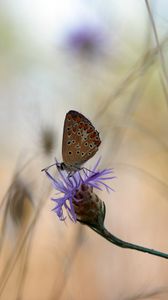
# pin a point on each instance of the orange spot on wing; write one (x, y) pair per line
(78, 119)
(69, 117)
(92, 135)
(85, 126)
(97, 143)
(90, 129)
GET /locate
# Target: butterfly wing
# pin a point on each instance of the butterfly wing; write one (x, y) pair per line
(80, 139)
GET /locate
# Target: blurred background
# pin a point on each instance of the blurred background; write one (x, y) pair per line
(107, 60)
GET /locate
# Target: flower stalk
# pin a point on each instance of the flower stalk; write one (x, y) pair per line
(101, 230)
(81, 203)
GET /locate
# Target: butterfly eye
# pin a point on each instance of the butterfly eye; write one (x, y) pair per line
(69, 142)
(91, 146)
(77, 152)
(69, 152)
(78, 133)
(73, 142)
(86, 143)
(82, 153)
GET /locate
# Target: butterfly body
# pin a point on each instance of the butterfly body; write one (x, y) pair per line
(80, 141)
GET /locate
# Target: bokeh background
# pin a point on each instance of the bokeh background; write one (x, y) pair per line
(107, 60)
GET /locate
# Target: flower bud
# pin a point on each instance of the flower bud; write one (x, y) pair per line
(89, 208)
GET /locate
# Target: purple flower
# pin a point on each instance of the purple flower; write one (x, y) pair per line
(69, 187)
(86, 39)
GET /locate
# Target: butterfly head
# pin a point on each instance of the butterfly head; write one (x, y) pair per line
(69, 168)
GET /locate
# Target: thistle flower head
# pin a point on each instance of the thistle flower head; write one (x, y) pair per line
(86, 39)
(19, 201)
(77, 189)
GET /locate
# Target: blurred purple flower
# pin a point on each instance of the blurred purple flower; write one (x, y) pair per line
(86, 39)
(68, 186)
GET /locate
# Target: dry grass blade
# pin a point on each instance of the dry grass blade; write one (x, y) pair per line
(58, 291)
(157, 292)
(162, 60)
(140, 67)
(145, 175)
(24, 267)
(9, 267)
(130, 108)
(164, 87)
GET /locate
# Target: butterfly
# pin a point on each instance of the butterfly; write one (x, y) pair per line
(80, 141)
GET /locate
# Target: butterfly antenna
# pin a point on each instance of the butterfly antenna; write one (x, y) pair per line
(48, 167)
(55, 164)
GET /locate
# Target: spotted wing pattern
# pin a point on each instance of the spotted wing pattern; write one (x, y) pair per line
(80, 139)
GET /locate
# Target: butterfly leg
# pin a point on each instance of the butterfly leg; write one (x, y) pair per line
(83, 168)
(71, 173)
(79, 169)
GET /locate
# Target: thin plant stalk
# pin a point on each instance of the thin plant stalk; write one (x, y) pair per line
(101, 230)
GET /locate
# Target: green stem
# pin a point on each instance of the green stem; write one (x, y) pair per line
(120, 243)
